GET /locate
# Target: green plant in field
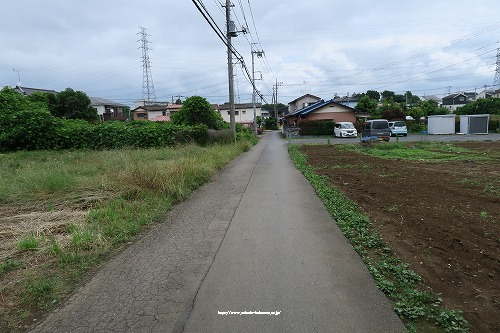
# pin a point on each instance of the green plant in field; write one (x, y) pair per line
(40, 291)
(29, 242)
(9, 265)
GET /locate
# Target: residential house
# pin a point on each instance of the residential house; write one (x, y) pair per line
(496, 94)
(351, 102)
(454, 101)
(243, 113)
(302, 102)
(28, 91)
(108, 110)
(322, 110)
(155, 112)
(485, 94)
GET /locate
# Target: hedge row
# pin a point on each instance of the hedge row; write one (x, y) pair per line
(316, 127)
(28, 130)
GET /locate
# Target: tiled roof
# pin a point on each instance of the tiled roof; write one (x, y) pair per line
(28, 91)
(316, 106)
(94, 101)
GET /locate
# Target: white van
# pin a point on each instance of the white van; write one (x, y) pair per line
(345, 129)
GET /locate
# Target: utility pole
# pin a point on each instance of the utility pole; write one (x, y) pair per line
(259, 54)
(276, 99)
(229, 33)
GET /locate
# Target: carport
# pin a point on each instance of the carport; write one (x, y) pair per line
(474, 123)
(441, 124)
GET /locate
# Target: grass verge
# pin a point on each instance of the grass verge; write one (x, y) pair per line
(419, 309)
(63, 213)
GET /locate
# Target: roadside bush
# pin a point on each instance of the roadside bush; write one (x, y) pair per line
(414, 127)
(220, 136)
(316, 127)
(27, 129)
(494, 125)
(270, 124)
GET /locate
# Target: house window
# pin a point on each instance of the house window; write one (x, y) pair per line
(243, 112)
(228, 113)
(461, 98)
(142, 115)
(236, 113)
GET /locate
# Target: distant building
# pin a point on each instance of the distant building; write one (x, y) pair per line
(302, 102)
(161, 112)
(243, 113)
(108, 110)
(454, 101)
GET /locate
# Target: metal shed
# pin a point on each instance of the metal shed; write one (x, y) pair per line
(441, 124)
(474, 124)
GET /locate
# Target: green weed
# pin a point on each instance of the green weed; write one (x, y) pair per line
(29, 243)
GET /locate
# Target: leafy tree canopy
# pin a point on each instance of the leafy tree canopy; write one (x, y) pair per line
(72, 104)
(270, 107)
(373, 94)
(386, 94)
(197, 110)
(481, 106)
(366, 104)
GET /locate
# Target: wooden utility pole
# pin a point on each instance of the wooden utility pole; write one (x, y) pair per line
(232, 119)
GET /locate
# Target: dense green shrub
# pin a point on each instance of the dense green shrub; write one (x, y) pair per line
(220, 136)
(414, 127)
(27, 129)
(196, 110)
(494, 125)
(270, 124)
(316, 127)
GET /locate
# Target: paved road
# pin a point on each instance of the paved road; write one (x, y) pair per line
(255, 239)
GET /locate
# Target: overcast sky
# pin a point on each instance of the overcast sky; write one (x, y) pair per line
(321, 47)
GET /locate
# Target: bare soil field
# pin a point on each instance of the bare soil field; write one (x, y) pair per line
(443, 218)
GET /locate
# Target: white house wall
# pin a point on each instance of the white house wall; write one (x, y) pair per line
(243, 116)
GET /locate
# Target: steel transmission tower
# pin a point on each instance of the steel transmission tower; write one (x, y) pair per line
(148, 88)
(496, 83)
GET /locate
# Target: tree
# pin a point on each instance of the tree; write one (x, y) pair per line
(72, 104)
(386, 94)
(373, 94)
(366, 104)
(431, 107)
(481, 106)
(197, 110)
(391, 110)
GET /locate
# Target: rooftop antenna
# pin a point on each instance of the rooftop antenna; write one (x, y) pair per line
(18, 76)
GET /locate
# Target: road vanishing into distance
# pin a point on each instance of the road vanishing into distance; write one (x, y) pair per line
(254, 250)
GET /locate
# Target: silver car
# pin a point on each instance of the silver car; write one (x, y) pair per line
(398, 128)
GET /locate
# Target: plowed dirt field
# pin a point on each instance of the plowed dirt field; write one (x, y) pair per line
(441, 217)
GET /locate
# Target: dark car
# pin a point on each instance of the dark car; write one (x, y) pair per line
(376, 129)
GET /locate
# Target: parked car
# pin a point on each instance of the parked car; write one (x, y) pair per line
(398, 128)
(345, 129)
(376, 129)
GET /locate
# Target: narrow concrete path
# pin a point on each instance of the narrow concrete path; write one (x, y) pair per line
(283, 255)
(256, 242)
